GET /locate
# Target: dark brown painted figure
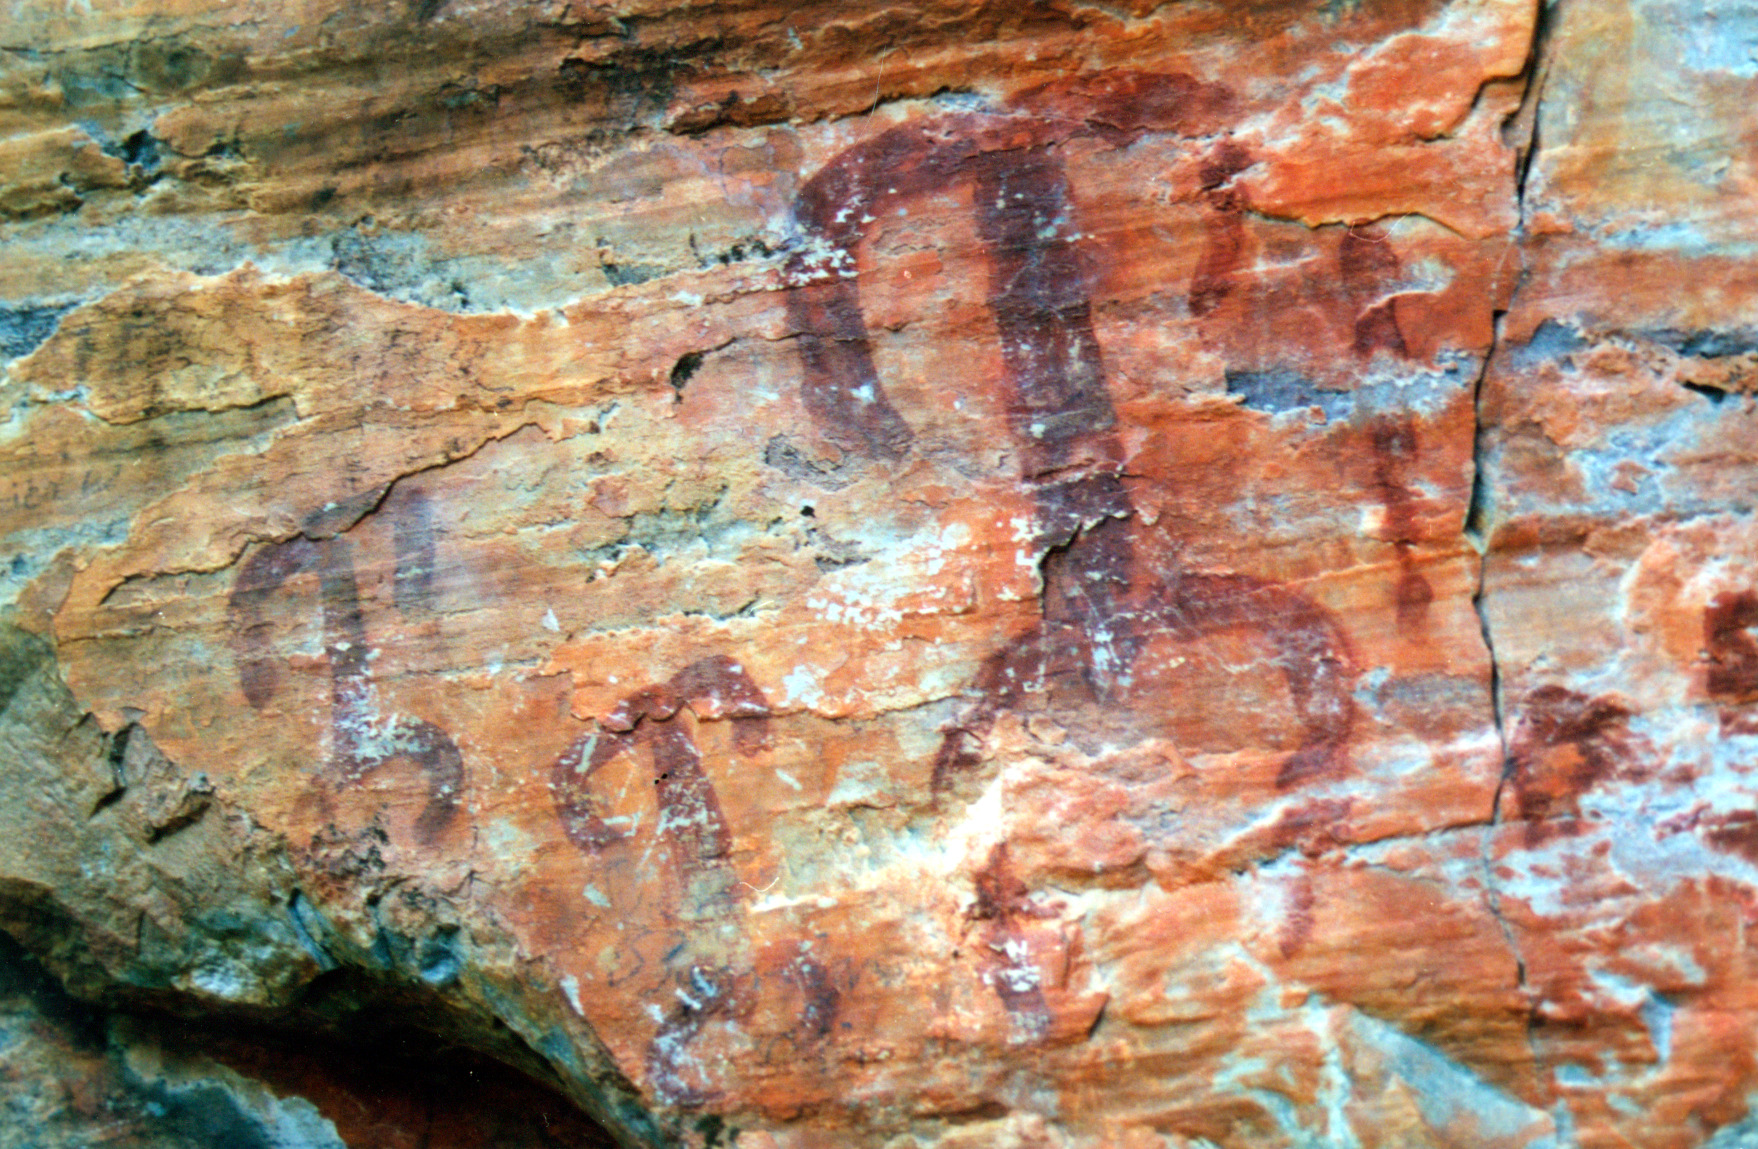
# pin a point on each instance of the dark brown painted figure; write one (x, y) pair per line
(691, 827)
(693, 842)
(362, 740)
(1100, 604)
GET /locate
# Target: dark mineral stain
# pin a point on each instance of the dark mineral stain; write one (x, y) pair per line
(634, 84)
(172, 66)
(573, 77)
(629, 274)
(712, 1128)
(97, 77)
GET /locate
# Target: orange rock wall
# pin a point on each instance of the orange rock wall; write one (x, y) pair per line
(948, 575)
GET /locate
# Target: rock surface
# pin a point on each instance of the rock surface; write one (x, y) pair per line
(941, 575)
(74, 1077)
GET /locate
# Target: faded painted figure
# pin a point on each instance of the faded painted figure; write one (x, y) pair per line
(1103, 603)
(362, 738)
(711, 969)
(692, 830)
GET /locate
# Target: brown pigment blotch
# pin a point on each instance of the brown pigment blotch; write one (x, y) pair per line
(1730, 636)
(1566, 744)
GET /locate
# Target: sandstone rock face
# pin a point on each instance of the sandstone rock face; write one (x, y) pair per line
(865, 575)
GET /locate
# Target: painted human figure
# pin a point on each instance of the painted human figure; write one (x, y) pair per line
(1102, 601)
(710, 969)
(362, 739)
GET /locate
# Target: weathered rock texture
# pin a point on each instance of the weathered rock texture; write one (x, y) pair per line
(74, 1077)
(1022, 574)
